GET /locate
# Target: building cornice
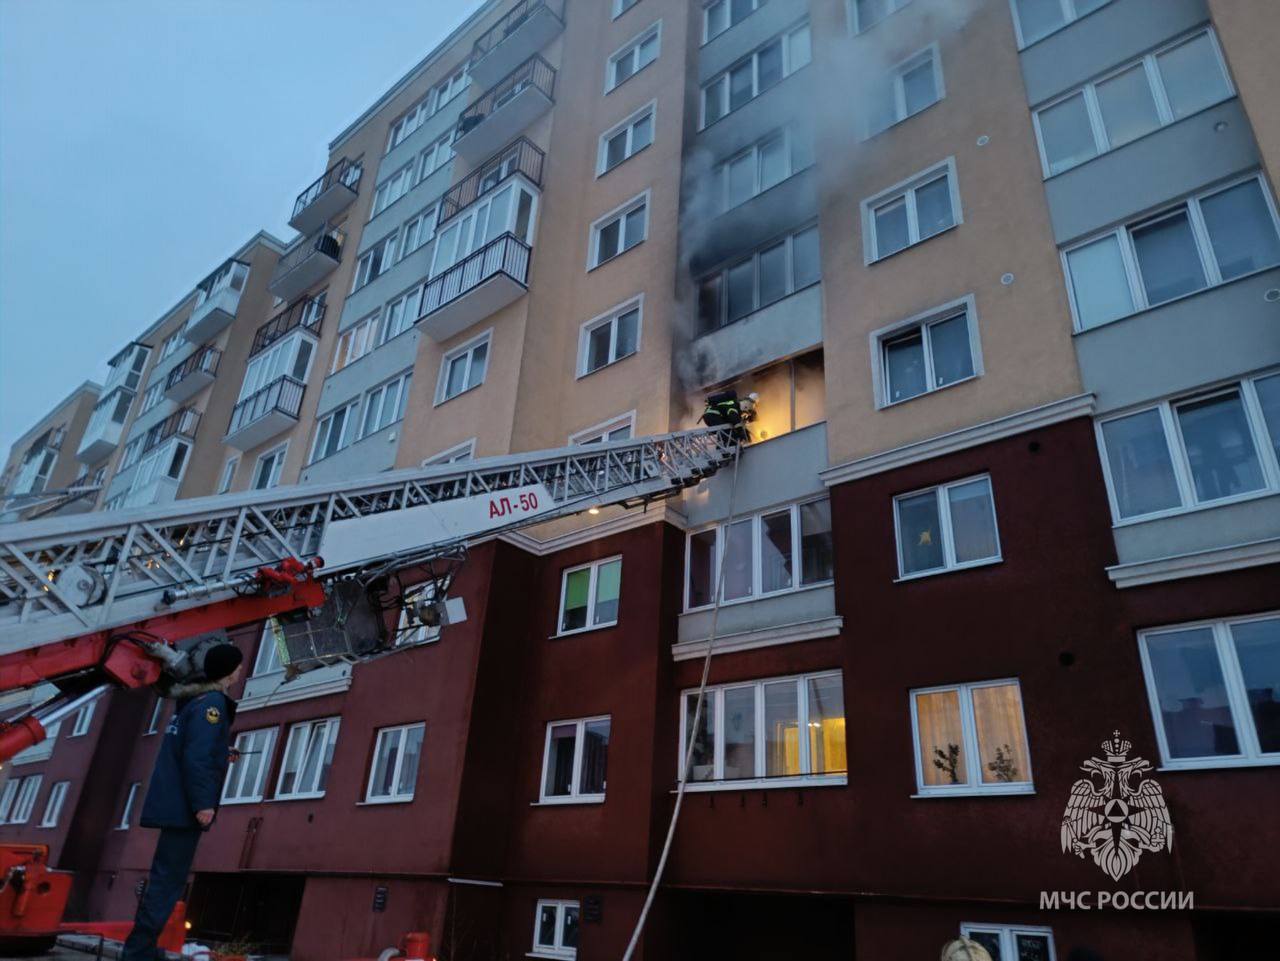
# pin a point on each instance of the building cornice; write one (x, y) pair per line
(1216, 561)
(1081, 405)
(86, 387)
(626, 521)
(764, 637)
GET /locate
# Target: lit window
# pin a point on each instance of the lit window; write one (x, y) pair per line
(610, 338)
(395, 764)
(903, 216)
(634, 57)
(385, 405)
(619, 231)
(626, 140)
(266, 473)
(927, 355)
(127, 812)
(1007, 942)
(463, 368)
(308, 755)
(866, 14)
(555, 929)
(247, 774)
(719, 16)
(971, 739)
(575, 761)
(589, 596)
(753, 732)
(765, 277)
(946, 528)
(756, 73)
(53, 806)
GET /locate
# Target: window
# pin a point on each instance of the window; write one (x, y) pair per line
(619, 231)
(81, 720)
(410, 630)
(765, 277)
(1006, 942)
(19, 799)
(356, 341)
(391, 190)
(756, 73)
(633, 58)
(435, 156)
(574, 761)
(619, 428)
(555, 929)
(157, 713)
(384, 405)
(610, 338)
(589, 596)
(626, 140)
(913, 85)
(622, 6)
(760, 553)
(865, 14)
(417, 231)
(307, 757)
(289, 357)
(1036, 19)
(129, 800)
(719, 16)
(508, 209)
(946, 528)
(1205, 241)
(269, 646)
(132, 450)
(374, 262)
(247, 774)
(402, 313)
(334, 432)
(53, 806)
(228, 474)
(926, 355)
(761, 166)
(396, 756)
(453, 455)
(151, 397)
(449, 87)
(463, 368)
(7, 798)
(1160, 89)
(971, 739)
(1191, 451)
(1214, 690)
(266, 473)
(907, 214)
(172, 342)
(753, 732)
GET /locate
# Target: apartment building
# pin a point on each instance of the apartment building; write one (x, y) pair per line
(44, 458)
(1004, 276)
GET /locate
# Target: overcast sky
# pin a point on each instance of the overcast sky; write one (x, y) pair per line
(143, 141)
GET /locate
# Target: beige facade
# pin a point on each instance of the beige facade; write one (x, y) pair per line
(44, 458)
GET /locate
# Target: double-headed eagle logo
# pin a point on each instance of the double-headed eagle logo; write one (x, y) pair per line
(1115, 821)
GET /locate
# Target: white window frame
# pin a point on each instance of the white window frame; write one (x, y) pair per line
(19, 799)
(385, 251)
(324, 427)
(907, 189)
(401, 731)
(632, 49)
(82, 720)
(714, 701)
(626, 125)
(855, 21)
(151, 398)
(360, 338)
(307, 730)
(433, 157)
(707, 36)
(465, 350)
(401, 383)
(945, 530)
(280, 451)
(931, 54)
(1069, 17)
(425, 220)
(402, 180)
(267, 660)
(721, 276)
(721, 171)
(969, 732)
(1008, 935)
(1251, 754)
(622, 6)
(594, 567)
(261, 740)
(576, 795)
(452, 455)
(130, 799)
(880, 338)
(1199, 233)
(556, 950)
(132, 450)
(409, 632)
(619, 214)
(598, 433)
(228, 475)
(153, 722)
(7, 798)
(1267, 460)
(53, 805)
(788, 68)
(757, 568)
(609, 317)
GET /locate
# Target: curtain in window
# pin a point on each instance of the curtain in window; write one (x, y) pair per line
(941, 738)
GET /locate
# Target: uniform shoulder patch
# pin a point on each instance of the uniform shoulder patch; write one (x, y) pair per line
(212, 715)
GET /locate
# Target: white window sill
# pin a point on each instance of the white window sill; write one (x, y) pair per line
(382, 802)
(785, 592)
(1218, 763)
(568, 956)
(583, 630)
(1196, 508)
(879, 259)
(1021, 790)
(988, 562)
(229, 802)
(296, 797)
(620, 253)
(767, 784)
(550, 802)
(888, 404)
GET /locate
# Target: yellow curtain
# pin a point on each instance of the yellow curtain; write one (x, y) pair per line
(1002, 739)
(827, 751)
(942, 759)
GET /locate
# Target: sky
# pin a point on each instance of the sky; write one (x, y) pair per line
(143, 141)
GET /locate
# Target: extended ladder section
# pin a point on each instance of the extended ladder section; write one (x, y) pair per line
(65, 577)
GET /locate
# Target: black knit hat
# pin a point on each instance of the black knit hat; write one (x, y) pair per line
(221, 660)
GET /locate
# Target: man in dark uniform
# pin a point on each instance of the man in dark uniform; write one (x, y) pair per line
(185, 789)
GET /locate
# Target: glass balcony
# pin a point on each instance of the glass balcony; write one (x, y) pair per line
(521, 157)
(505, 110)
(308, 262)
(102, 434)
(217, 297)
(329, 196)
(181, 423)
(265, 413)
(526, 28)
(193, 375)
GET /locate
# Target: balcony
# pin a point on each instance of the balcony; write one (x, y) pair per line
(504, 110)
(528, 27)
(329, 196)
(307, 313)
(217, 297)
(193, 375)
(475, 287)
(309, 261)
(102, 434)
(181, 423)
(265, 413)
(521, 157)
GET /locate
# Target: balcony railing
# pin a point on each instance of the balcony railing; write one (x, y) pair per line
(534, 72)
(203, 361)
(308, 262)
(184, 422)
(345, 172)
(328, 196)
(307, 313)
(282, 395)
(514, 19)
(521, 157)
(493, 276)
